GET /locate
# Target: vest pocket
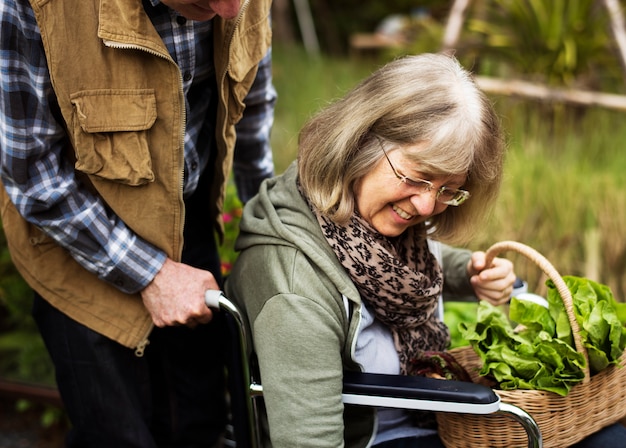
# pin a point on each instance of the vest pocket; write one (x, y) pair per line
(110, 130)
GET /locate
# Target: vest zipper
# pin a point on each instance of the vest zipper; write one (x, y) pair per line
(128, 46)
(141, 347)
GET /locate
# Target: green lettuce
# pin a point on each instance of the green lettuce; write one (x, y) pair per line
(533, 348)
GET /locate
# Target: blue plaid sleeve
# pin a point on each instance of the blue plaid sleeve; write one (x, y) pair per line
(253, 154)
(38, 178)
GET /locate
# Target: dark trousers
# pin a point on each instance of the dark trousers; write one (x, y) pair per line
(173, 396)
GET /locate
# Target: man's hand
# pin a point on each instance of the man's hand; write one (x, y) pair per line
(176, 295)
(491, 283)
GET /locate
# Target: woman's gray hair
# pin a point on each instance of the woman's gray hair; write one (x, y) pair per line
(427, 99)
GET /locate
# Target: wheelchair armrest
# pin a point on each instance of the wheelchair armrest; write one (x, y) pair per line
(414, 392)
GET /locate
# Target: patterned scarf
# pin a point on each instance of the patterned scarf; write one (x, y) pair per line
(399, 279)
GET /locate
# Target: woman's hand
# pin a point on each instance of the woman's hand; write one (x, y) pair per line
(491, 283)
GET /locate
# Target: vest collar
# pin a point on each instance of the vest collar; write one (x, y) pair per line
(123, 23)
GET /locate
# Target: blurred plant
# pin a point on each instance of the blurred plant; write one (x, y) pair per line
(327, 78)
(233, 209)
(423, 34)
(23, 356)
(22, 352)
(49, 416)
(455, 313)
(560, 42)
(336, 21)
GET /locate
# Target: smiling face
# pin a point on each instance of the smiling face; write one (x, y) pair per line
(202, 10)
(391, 206)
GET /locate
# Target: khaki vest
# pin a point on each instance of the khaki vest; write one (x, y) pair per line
(120, 95)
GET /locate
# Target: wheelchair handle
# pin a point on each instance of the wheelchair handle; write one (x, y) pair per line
(212, 298)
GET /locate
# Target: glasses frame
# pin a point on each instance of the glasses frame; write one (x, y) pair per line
(428, 185)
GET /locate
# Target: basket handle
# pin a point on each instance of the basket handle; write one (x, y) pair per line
(550, 271)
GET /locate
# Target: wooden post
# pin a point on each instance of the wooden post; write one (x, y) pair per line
(32, 392)
(618, 29)
(512, 87)
(454, 25)
(307, 28)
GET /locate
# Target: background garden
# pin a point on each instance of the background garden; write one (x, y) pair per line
(564, 189)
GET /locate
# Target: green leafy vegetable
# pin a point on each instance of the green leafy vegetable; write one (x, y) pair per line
(539, 353)
(454, 314)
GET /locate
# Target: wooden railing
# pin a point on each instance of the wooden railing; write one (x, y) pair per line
(33, 392)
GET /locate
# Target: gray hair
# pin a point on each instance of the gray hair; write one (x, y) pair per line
(428, 99)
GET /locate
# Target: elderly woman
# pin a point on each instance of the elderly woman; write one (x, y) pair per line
(338, 267)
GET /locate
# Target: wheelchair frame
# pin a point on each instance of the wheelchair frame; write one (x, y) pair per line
(364, 389)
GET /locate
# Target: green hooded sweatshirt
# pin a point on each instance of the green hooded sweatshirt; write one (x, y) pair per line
(304, 312)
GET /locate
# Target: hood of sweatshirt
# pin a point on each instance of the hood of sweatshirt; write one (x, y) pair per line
(278, 215)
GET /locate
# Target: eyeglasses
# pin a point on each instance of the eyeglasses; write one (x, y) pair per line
(445, 195)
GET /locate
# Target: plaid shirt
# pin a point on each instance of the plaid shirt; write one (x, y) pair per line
(42, 183)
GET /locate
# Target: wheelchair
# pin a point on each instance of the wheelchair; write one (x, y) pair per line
(360, 389)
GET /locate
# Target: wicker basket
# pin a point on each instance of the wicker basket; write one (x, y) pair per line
(596, 402)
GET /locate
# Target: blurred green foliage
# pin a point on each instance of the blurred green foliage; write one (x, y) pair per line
(233, 209)
(22, 352)
(564, 43)
(336, 21)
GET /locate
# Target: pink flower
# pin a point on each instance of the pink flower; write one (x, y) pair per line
(226, 267)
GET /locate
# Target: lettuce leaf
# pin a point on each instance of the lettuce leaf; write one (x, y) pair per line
(538, 353)
(601, 330)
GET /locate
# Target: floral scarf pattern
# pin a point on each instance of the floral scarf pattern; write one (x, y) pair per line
(399, 279)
